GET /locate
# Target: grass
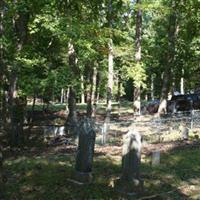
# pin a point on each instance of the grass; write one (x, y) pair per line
(101, 107)
(44, 174)
(46, 177)
(180, 171)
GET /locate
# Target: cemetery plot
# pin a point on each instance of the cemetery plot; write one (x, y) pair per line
(113, 168)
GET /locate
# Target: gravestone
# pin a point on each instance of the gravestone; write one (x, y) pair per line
(85, 151)
(184, 131)
(53, 131)
(192, 119)
(155, 158)
(130, 183)
(104, 132)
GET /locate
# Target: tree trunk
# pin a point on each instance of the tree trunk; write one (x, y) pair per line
(119, 92)
(110, 81)
(152, 88)
(3, 79)
(16, 109)
(2, 92)
(97, 87)
(30, 117)
(182, 90)
(33, 104)
(12, 96)
(62, 96)
(71, 123)
(1, 174)
(67, 99)
(82, 90)
(15, 104)
(4, 109)
(72, 116)
(169, 62)
(91, 96)
(110, 66)
(138, 38)
(53, 97)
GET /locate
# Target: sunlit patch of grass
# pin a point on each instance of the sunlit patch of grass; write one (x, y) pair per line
(46, 176)
(126, 107)
(36, 178)
(174, 173)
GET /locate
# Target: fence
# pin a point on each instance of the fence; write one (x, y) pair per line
(153, 129)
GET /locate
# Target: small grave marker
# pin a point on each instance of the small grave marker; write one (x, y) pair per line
(184, 131)
(155, 158)
(104, 132)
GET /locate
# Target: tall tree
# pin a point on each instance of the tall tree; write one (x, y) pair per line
(17, 16)
(1, 173)
(91, 101)
(72, 116)
(138, 38)
(110, 66)
(2, 70)
(170, 58)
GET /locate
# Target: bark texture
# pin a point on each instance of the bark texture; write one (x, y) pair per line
(91, 102)
(110, 81)
(16, 104)
(1, 174)
(138, 39)
(71, 122)
(167, 75)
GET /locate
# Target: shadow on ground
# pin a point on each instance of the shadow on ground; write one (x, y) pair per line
(44, 175)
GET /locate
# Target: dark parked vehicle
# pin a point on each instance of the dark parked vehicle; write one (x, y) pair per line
(184, 102)
(152, 106)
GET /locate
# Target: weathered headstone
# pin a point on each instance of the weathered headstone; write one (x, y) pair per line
(53, 131)
(192, 119)
(85, 152)
(184, 131)
(155, 158)
(130, 183)
(104, 132)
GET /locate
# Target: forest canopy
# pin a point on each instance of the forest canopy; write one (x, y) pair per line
(136, 49)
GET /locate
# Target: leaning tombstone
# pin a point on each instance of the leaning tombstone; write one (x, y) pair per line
(85, 151)
(130, 183)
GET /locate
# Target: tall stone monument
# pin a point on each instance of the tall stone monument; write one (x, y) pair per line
(84, 158)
